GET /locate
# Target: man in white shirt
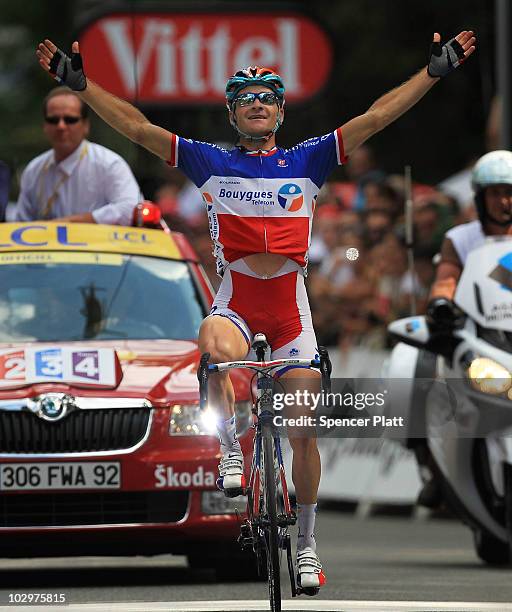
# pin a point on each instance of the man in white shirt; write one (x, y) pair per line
(76, 180)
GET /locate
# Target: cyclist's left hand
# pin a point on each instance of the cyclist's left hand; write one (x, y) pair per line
(445, 58)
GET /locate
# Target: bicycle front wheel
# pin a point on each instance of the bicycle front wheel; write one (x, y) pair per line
(272, 531)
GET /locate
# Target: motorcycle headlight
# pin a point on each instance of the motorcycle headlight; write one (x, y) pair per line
(489, 376)
(190, 420)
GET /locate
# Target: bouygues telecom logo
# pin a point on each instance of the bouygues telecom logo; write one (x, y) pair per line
(290, 197)
(208, 200)
(175, 58)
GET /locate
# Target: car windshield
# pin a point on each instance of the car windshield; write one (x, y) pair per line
(59, 296)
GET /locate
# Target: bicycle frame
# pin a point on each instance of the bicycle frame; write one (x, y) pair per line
(265, 414)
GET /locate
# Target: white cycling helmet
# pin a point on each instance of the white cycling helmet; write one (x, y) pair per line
(494, 168)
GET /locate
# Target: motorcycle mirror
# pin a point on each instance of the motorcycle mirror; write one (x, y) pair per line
(411, 330)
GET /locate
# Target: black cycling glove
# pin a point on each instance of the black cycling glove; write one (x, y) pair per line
(444, 58)
(68, 70)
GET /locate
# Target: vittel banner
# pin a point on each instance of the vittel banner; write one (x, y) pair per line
(176, 58)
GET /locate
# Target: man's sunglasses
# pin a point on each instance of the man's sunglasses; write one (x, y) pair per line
(265, 97)
(68, 119)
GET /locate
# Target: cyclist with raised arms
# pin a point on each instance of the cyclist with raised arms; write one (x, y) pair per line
(260, 201)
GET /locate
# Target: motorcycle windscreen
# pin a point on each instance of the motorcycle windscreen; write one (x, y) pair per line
(484, 290)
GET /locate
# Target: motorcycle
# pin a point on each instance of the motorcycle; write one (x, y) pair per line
(452, 387)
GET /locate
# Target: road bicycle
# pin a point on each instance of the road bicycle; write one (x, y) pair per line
(269, 512)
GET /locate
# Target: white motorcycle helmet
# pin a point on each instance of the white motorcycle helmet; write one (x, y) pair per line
(494, 168)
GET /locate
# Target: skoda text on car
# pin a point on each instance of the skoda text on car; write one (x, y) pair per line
(101, 437)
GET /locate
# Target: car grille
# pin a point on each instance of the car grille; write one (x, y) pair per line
(64, 509)
(99, 429)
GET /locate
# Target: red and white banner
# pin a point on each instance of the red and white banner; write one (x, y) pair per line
(162, 58)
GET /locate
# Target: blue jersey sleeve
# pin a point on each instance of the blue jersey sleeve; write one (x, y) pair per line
(198, 160)
(322, 154)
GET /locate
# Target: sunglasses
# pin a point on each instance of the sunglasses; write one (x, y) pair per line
(68, 119)
(265, 97)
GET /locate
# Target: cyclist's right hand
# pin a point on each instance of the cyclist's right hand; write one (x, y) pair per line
(66, 70)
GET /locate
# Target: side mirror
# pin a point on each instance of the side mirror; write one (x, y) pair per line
(415, 331)
(411, 330)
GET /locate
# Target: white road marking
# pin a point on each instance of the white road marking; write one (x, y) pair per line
(95, 563)
(257, 605)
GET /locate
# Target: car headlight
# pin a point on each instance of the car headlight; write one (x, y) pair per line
(489, 376)
(190, 420)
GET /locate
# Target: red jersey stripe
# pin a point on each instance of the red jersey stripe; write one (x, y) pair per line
(242, 236)
(342, 158)
(174, 151)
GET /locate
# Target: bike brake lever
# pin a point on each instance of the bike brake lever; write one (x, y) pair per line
(202, 376)
(325, 368)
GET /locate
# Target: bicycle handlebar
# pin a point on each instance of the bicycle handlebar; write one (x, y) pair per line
(262, 365)
(323, 363)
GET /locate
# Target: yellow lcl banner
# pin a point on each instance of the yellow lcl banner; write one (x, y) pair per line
(56, 236)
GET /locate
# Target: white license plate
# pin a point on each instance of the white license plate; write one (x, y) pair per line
(58, 476)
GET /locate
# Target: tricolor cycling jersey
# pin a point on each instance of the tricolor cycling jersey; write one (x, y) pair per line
(259, 201)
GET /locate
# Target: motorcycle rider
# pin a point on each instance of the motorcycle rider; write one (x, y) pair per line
(492, 185)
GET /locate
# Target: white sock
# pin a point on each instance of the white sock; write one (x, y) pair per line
(227, 435)
(306, 522)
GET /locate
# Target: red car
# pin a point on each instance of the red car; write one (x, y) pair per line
(101, 439)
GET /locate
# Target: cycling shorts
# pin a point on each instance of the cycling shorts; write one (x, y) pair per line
(276, 306)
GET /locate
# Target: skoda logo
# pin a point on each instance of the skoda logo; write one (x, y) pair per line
(54, 406)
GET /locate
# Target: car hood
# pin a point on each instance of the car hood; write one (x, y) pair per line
(159, 370)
